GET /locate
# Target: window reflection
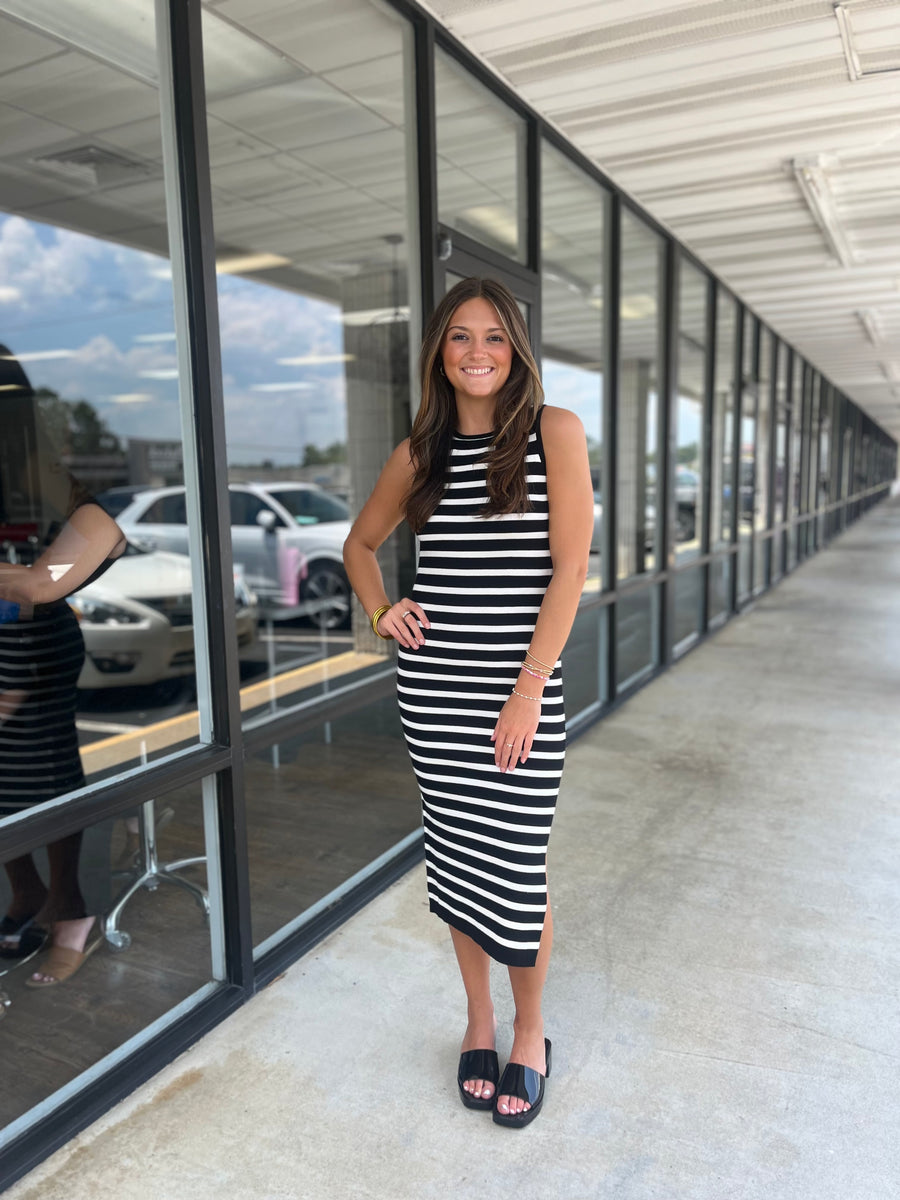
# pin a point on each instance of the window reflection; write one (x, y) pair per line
(722, 490)
(761, 514)
(149, 956)
(689, 483)
(747, 464)
(637, 637)
(781, 482)
(480, 161)
(573, 212)
(87, 315)
(312, 178)
(638, 417)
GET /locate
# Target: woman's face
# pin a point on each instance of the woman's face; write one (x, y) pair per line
(476, 350)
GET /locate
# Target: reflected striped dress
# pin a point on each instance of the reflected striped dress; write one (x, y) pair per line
(481, 582)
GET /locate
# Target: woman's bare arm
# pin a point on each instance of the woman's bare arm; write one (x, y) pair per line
(87, 539)
(571, 501)
(380, 516)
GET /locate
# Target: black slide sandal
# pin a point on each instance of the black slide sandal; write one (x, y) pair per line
(526, 1084)
(478, 1064)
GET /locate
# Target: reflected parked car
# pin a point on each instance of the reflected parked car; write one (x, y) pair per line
(137, 620)
(288, 537)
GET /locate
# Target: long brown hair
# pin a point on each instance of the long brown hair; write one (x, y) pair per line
(517, 405)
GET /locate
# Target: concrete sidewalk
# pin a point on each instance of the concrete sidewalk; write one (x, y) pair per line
(723, 1000)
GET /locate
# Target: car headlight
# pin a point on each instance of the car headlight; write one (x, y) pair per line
(101, 612)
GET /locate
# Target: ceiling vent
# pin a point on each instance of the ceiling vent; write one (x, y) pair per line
(93, 165)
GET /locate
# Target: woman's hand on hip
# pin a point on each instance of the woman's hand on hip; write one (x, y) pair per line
(404, 621)
(515, 730)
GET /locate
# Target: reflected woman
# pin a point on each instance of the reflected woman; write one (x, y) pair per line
(498, 489)
(47, 515)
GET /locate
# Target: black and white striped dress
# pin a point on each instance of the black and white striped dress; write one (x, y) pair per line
(481, 582)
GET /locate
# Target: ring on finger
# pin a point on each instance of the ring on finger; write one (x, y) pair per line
(406, 614)
(510, 744)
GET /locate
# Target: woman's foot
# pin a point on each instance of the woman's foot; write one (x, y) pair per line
(481, 1034)
(527, 1050)
(68, 936)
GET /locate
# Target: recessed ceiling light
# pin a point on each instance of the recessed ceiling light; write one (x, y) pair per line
(36, 355)
(315, 360)
(295, 385)
(243, 264)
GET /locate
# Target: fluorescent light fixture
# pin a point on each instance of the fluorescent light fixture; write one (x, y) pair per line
(162, 373)
(315, 360)
(374, 316)
(36, 355)
(637, 307)
(123, 35)
(131, 398)
(871, 323)
(243, 264)
(155, 337)
(291, 386)
(495, 220)
(891, 371)
(812, 179)
(842, 16)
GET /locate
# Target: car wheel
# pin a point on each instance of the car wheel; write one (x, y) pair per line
(327, 586)
(685, 524)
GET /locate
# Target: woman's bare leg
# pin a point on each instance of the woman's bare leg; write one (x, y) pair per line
(528, 1026)
(475, 968)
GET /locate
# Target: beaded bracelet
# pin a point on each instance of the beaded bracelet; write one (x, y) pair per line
(516, 692)
(376, 617)
(534, 674)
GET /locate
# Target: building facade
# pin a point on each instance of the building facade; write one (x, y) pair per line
(221, 225)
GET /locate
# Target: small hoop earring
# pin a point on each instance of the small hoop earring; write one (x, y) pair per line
(441, 369)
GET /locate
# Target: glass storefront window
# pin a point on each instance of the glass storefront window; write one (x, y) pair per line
(722, 489)
(585, 659)
(761, 515)
(747, 465)
(322, 804)
(311, 171)
(90, 379)
(720, 589)
(637, 636)
(689, 585)
(480, 161)
(780, 482)
(637, 449)
(689, 482)
(313, 174)
(155, 954)
(573, 212)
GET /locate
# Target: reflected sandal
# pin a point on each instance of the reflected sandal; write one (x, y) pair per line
(61, 964)
(478, 1064)
(525, 1083)
(20, 939)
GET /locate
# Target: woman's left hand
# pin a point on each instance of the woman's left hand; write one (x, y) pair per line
(514, 731)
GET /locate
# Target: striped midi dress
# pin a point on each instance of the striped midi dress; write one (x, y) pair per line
(481, 581)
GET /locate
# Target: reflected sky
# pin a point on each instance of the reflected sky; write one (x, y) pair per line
(93, 320)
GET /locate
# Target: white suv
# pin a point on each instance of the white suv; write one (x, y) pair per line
(287, 537)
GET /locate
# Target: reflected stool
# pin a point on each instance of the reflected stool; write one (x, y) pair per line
(150, 873)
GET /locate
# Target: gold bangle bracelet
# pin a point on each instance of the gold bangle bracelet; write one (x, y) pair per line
(376, 617)
(539, 661)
